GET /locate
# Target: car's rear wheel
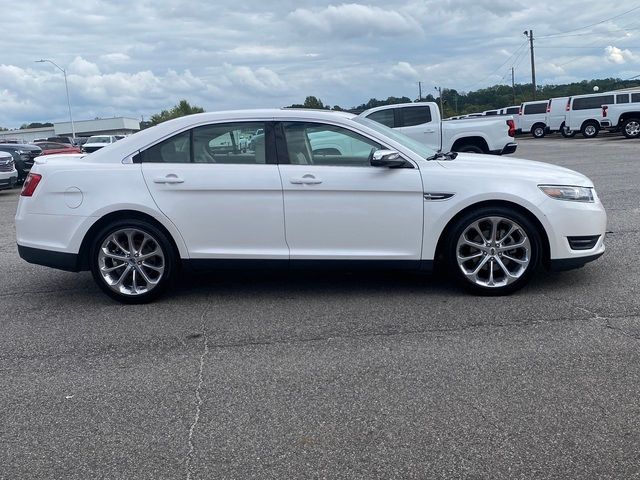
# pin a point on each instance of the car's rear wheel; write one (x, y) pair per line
(537, 131)
(132, 261)
(566, 133)
(590, 130)
(493, 251)
(631, 128)
(469, 149)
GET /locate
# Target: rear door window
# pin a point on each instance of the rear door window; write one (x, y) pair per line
(410, 116)
(622, 98)
(385, 117)
(635, 97)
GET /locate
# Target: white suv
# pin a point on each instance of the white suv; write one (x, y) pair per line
(320, 188)
(8, 172)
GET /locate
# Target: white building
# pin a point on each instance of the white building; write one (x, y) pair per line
(84, 128)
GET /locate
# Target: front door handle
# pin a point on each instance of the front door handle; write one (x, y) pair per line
(170, 179)
(429, 131)
(306, 179)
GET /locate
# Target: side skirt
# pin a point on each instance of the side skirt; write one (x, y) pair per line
(212, 264)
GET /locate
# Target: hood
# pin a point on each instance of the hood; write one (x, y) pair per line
(499, 166)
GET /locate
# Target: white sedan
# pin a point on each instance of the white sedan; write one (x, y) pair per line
(316, 188)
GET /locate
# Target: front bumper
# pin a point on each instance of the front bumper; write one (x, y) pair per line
(508, 148)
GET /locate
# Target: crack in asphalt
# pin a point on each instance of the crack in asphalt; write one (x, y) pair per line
(597, 316)
(196, 417)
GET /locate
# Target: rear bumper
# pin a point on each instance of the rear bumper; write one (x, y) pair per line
(508, 148)
(49, 258)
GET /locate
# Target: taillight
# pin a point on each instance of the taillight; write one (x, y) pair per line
(568, 107)
(604, 110)
(520, 110)
(30, 184)
(549, 106)
(512, 128)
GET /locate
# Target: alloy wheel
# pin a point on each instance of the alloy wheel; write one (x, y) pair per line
(493, 252)
(632, 128)
(131, 262)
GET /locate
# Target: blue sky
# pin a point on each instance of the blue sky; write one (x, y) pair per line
(136, 58)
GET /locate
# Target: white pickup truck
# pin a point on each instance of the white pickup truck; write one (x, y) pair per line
(624, 115)
(421, 121)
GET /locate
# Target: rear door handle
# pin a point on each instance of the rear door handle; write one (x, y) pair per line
(306, 179)
(170, 179)
(429, 131)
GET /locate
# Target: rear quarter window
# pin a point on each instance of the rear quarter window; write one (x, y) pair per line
(385, 117)
(534, 108)
(596, 101)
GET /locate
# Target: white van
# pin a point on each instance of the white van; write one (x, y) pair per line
(533, 117)
(556, 116)
(514, 111)
(584, 113)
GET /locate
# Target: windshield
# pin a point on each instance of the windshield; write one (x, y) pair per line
(99, 140)
(413, 145)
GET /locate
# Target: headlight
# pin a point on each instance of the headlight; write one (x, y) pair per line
(568, 192)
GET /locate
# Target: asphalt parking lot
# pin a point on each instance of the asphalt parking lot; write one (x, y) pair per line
(334, 375)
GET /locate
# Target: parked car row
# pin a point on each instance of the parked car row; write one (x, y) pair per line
(586, 114)
(23, 154)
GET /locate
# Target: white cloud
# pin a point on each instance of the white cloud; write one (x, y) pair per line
(354, 20)
(116, 58)
(617, 55)
(83, 67)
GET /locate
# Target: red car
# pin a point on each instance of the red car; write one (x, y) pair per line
(49, 148)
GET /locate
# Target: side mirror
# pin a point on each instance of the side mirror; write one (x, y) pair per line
(389, 159)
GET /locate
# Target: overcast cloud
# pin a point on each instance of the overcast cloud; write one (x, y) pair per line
(134, 58)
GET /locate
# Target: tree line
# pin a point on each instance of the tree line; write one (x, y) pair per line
(497, 96)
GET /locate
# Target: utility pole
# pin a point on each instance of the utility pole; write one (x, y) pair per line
(513, 84)
(529, 35)
(419, 91)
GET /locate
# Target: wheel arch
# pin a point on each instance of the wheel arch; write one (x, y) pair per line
(85, 246)
(544, 237)
(476, 141)
(590, 121)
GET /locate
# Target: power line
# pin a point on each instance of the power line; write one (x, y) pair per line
(592, 24)
(500, 67)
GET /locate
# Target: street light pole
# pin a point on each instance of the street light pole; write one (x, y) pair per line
(66, 87)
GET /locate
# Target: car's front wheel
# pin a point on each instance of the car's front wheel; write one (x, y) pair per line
(493, 251)
(132, 261)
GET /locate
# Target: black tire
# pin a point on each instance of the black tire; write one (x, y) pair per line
(534, 253)
(469, 149)
(565, 132)
(170, 260)
(537, 131)
(590, 129)
(631, 128)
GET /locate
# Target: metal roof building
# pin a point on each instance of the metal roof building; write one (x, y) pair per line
(84, 128)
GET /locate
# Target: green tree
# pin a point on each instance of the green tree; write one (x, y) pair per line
(310, 102)
(35, 125)
(180, 110)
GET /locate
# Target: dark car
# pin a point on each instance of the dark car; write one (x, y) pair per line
(23, 155)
